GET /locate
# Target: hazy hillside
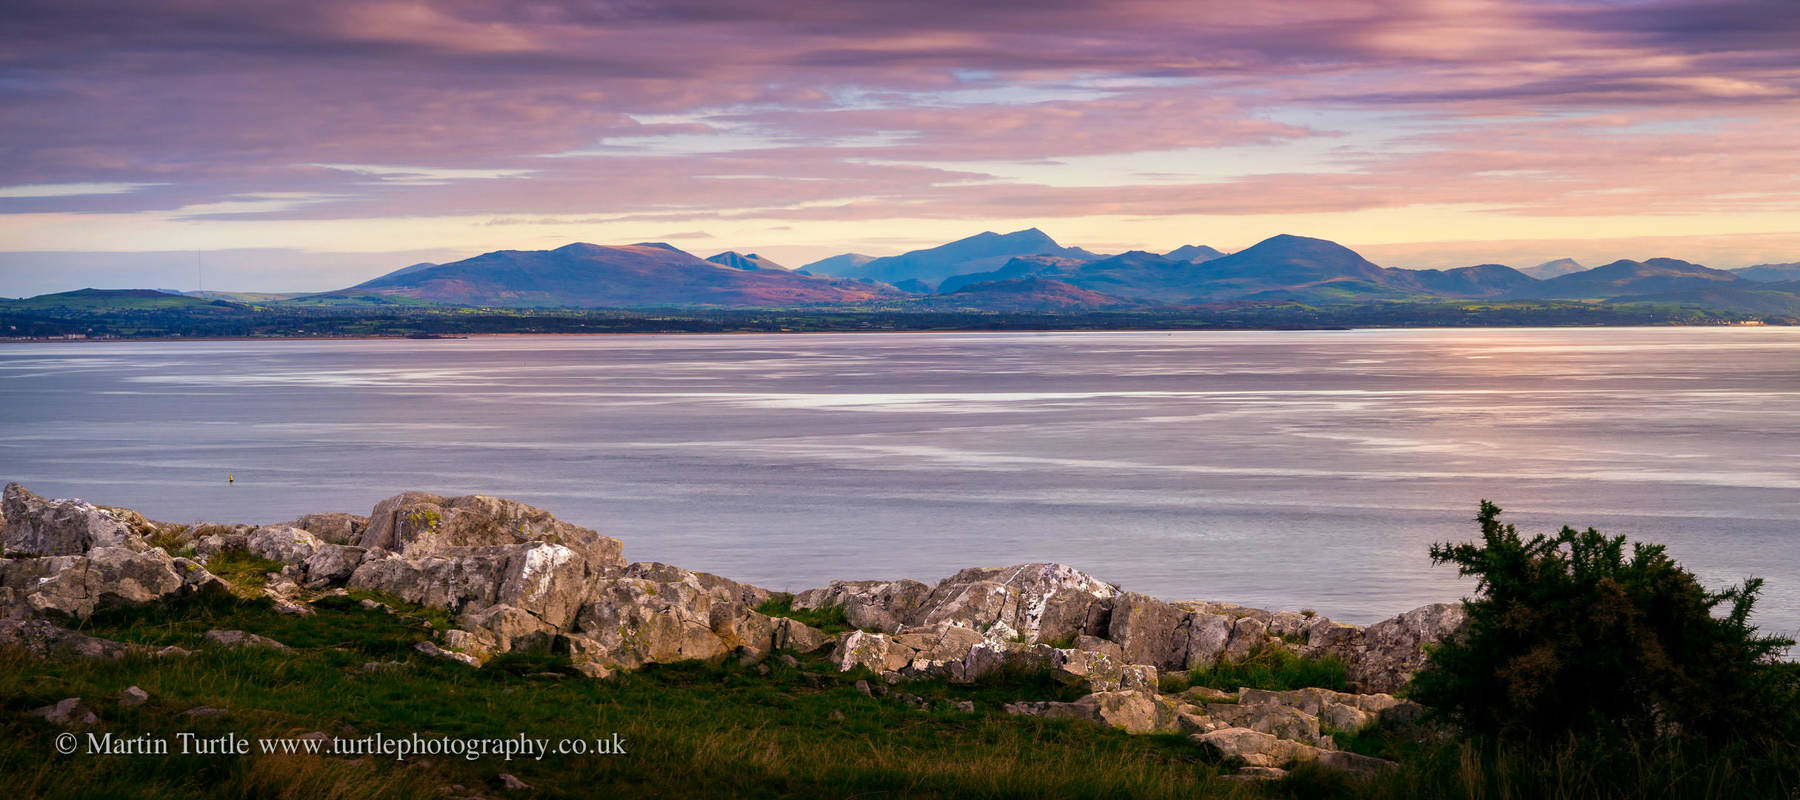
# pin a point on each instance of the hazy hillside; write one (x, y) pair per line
(1625, 277)
(1024, 294)
(1770, 273)
(597, 276)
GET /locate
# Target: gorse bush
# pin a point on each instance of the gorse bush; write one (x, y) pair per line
(1573, 633)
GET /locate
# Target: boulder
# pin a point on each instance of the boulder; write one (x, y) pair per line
(69, 713)
(1393, 649)
(1040, 602)
(133, 696)
(548, 580)
(1277, 720)
(41, 639)
(1149, 631)
(1208, 634)
(221, 539)
(1096, 644)
(334, 527)
(942, 642)
(1129, 711)
(1344, 718)
(282, 543)
(878, 605)
(877, 651)
(418, 524)
(503, 628)
(1253, 748)
(333, 563)
(1035, 602)
(1101, 672)
(657, 613)
(39, 527)
(76, 586)
(434, 651)
(1248, 635)
(237, 640)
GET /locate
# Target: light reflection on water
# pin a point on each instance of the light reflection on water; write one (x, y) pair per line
(1282, 469)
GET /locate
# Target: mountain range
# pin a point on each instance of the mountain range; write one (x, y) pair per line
(1020, 271)
(599, 276)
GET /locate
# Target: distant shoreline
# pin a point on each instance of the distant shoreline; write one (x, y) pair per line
(959, 331)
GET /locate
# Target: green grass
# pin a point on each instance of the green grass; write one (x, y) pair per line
(713, 730)
(244, 570)
(829, 619)
(692, 729)
(438, 619)
(1274, 668)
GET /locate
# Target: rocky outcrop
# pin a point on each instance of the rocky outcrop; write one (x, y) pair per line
(1390, 651)
(515, 577)
(1129, 711)
(39, 527)
(419, 524)
(1038, 602)
(334, 527)
(653, 612)
(75, 586)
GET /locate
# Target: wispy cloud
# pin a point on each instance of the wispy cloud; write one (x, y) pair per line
(208, 114)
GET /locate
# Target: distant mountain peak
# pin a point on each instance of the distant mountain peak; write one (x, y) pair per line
(750, 261)
(983, 251)
(1554, 269)
(1193, 252)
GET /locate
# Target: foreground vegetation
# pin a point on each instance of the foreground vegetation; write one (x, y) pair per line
(1586, 673)
(691, 729)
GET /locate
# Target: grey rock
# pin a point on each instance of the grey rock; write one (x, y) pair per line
(878, 605)
(418, 524)
(39, 527)
(1248, 635)
(240, 639)
(69, 712)
(1208, 634)
(42, 639)
(877, 651)
(435, 651)
(281, 543)
(133, 696)
(333, 563)
(334, 527)
(1393, 649)
(1149, 631)
(1130, 711)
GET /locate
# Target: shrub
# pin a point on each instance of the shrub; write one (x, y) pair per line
(1570, 635)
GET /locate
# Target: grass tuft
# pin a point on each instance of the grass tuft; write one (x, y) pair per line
(829, 619)
(1274, 668)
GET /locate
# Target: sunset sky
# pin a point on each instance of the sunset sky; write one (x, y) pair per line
(316, 143)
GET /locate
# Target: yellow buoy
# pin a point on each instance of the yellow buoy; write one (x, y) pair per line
(229, 478)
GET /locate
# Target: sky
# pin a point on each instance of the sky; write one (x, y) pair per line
(311, 144)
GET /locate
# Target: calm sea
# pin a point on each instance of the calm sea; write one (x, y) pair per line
(1276, 469)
